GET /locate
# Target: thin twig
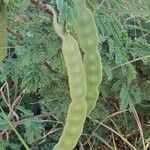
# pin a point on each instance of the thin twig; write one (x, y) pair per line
(101, 123)
(8, 94)
(112, 115)
(81, 145)
(17, 123)
(17, 99)
(3, 96)
(134, 60)
(47, 134)
(115, 132)
(14, 33)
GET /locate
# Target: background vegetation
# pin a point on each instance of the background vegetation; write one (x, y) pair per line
(34, 90)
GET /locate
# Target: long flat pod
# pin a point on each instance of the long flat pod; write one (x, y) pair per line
(77, 84)
(3, 32)
(89, 41)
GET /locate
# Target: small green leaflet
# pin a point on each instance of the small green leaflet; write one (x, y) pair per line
(60, 4)
(6, 1)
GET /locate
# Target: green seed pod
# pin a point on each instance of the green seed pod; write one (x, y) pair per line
(75, 68)
(77, 84)
(73, 127)
(88, 40)
(3, 32)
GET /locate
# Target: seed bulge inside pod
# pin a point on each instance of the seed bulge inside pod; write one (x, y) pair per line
(79, 92)
(73, 60)
(91, 94)
(74, 129)
(89, 57)
(76, 69)
(89, 44)
(77, 81)
(92, 79)
(78, 107)
(75, 118)
(92, 68)
(67, 142)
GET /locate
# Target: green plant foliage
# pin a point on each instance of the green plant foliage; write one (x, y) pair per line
(33, 129)
(35, 64)
(7, 145)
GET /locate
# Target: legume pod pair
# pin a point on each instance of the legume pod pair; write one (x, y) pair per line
(84, 76)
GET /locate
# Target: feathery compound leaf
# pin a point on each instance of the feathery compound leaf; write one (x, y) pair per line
(60, 4)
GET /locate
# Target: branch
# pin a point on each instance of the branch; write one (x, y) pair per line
(40, 5)
(15, 124)
(49, 67)
(18, 37)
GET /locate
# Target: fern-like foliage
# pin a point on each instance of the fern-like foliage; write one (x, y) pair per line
(35, 64)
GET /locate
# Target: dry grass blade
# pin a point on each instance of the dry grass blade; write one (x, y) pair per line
(114, 143)
(121, 136)
(112, 115)
(115, 132)
(140, 127)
